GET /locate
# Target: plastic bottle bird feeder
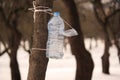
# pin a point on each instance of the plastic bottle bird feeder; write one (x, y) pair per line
(56, 34)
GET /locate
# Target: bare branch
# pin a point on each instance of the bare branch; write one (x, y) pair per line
(99, 12)
(112, 14)
(6, 50)
(7, 20)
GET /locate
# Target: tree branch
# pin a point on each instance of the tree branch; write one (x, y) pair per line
(99, 12)
(112, 14)
(7, 20)
(6, 50)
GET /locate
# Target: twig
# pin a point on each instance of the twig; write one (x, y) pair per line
(6, 50)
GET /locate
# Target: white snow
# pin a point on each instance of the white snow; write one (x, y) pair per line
(64, 69)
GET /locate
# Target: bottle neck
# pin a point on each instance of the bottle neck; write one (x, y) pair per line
(56, 14)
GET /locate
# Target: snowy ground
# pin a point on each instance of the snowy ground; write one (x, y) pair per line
(64, 69)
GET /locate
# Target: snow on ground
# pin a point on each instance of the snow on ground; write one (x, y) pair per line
(64, 69)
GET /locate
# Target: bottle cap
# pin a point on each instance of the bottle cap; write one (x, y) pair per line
(56, 13)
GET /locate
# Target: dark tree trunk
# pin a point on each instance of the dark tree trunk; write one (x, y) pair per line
(13, 45)
(118, 48)
(38, 60)
(115, 29)
(10, 16)
(15, 73)
(105, 58)
(102, 19)
(83, 58)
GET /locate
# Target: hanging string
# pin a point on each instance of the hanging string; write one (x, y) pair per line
(67, 23)
(40, 9)
(47, 10)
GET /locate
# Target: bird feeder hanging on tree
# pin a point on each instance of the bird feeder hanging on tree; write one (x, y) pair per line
(56, 34)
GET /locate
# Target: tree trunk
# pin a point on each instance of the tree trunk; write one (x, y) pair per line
(102, 19)
(83, 58)
(115, 29)
(38, 60)
(105, 58)
(118, 47)
(15, 73)
(13, 45)
(14, 42)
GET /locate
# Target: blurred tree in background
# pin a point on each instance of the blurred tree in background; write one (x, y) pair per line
(106, 13)
(12, 17)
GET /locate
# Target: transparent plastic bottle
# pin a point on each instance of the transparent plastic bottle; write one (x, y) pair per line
(55, 37)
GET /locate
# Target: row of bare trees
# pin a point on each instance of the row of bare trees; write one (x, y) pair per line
(10, 17)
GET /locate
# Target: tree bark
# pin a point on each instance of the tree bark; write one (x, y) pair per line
(13, 46)
(116, 42)
(14, 39)
(83, 58)
(105, 57)
(15, 73)
(103, 20)
(115, 29)
(38, 60)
